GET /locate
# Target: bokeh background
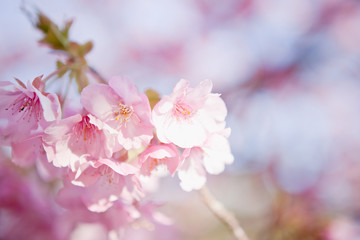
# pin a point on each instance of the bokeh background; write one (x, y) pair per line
(289, 72)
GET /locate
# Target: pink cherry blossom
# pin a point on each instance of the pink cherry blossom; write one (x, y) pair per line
(210, 158)
(192, 174)
(75, 200)
(189, 115)
(72, 140)
(121, 106)
(29, 152)
(27, 209)
(217, 152)
(156, 155)
(105, 181)
(26, 109)
(117, 220)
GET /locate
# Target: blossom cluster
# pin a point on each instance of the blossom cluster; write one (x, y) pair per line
(105, 152)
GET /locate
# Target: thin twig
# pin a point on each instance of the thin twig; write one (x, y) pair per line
(63, 68)
(97, 75)
(223, 214)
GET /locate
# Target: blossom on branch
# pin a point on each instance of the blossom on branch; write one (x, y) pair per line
(193, 119)
(157, 155)
(119, 105)
(105, 181)
(210, 158)
(27, 109)
(69, 140)
(189, 115)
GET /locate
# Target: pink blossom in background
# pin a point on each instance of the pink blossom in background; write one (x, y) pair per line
(31, 152)
(189, 115)
(118, 218)
(27, 210)
(27, 109)
(342, 228)
(121, 107)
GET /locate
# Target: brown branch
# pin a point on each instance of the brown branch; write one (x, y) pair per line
(223, 214)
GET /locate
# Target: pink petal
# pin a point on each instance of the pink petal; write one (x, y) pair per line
(119, 167)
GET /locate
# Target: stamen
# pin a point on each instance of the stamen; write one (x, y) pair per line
(155, 162)
(182, 110)
(26, 108)
(85, 130)
(108, 173)
(123, 113)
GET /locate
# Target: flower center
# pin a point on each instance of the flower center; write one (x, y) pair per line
(182, 110)
(26, 108)
(85, 130)
(109, 174)
(123, 113)
(153, 164)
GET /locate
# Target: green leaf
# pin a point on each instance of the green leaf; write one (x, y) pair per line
(60, 65)
(54, 37)
(85, 48)
(43, 22)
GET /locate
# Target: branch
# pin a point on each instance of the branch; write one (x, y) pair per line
(58, 71)
(96, 74)
(223, 214)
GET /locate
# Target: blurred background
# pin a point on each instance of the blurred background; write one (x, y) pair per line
(289, 72)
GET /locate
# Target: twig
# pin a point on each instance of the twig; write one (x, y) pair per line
(97, 75)
(223, 214)
(63, 68)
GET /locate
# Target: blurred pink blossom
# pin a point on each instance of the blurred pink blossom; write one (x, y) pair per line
(27, 210)
(342, 228)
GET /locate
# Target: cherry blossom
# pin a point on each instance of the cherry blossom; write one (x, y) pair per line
(117, 219)
(74, 139)
(157, 155)
(210, 158)
(192, 174)
(27, 209)
(31, 152)
(120, 106)
(26, 109)
(189, 115)
(104, 181)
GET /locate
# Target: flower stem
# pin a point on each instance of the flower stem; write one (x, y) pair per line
(223, 214)
(59, 70)
(98, 77)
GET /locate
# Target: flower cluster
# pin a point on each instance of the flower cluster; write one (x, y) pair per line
(105, 152)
